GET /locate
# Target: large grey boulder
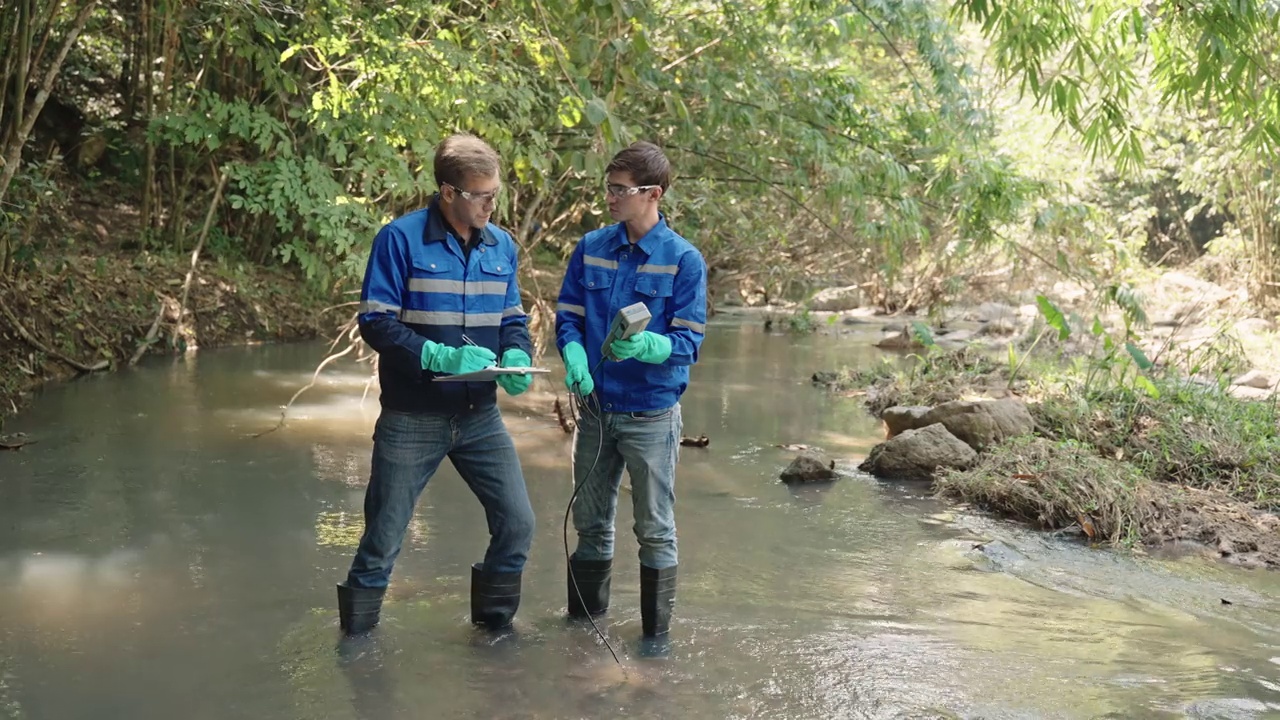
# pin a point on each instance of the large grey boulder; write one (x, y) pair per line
(1254, 379)
(809, 466)
(900, 418)
(983, 423)
(916, 454)
(837, 299)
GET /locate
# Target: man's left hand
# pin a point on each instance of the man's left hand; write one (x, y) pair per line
(515, 384)
(647, 347)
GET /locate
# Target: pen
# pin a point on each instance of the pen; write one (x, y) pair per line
(469, 341)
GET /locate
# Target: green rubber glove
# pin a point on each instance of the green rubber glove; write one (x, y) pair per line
(515, 384)
(647, 347)
(577, 375)
(455, 361)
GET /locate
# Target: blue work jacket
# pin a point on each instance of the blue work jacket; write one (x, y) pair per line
(606, 273)
(419, 286)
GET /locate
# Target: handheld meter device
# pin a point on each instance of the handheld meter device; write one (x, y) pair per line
(629, 321)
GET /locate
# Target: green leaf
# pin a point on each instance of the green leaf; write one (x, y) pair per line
(921, 332)
(597, 111)
(1145, 383)
(570, 111)
(1097, 328)
(288, 53)
(1054, 317)
(1139, 357)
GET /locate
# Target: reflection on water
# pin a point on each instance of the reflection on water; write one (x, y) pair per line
(161, 562)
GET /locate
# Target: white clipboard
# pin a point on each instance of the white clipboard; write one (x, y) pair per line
(490, 373)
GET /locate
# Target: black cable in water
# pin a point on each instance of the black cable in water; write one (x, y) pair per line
(580, 406)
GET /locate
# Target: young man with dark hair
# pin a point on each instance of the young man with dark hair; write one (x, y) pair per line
(440, 298)
(639, 259)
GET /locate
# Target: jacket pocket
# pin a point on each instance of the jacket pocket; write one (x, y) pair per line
(596, 278)
(494, 276)
(435, 285)
(655, 285)
(492, 263)
(487, 290)
(434, 269)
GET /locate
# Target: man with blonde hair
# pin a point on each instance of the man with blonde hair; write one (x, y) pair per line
(440, 298)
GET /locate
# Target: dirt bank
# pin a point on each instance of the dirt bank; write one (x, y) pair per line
(99, 311)
(1125, 461)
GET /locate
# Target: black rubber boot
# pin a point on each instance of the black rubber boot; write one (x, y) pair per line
(495, 597)
(359, 608)
(593, 578)
(657, 599)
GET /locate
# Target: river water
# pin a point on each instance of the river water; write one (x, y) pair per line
(163, 563)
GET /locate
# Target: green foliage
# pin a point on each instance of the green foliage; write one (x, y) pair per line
(1163, 425)
(34, 197)
(795, 125)
(801, 322)
(1180, 98)
(922, 334)
(1120, 352)
(1089, 64)
(815, 143)
(1053, 316)
(934, 377)
(1166, 419)
(1171, 430)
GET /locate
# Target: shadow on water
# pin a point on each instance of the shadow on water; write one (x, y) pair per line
(161, 563)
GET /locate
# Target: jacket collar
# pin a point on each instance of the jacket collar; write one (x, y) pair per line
(651, 240)
(437, 230)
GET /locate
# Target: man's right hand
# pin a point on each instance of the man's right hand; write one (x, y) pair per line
(455, 361)
(577, 375)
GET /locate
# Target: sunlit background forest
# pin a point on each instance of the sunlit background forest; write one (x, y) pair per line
(180, 173)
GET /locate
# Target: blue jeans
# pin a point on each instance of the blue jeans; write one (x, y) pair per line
(647, 444)
(407, 449)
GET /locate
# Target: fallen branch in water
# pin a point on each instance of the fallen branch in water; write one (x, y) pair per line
(305, 388)
(351, 331)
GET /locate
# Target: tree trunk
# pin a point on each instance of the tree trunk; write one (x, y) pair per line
(172, 226)
(9, 33)
(148, 107)
(13, 155)
(24, 29)
(131, 64)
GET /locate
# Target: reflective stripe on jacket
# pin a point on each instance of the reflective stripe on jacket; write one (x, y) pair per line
(606, 273)
(419, 285)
